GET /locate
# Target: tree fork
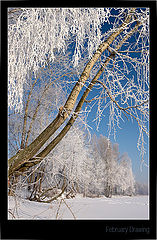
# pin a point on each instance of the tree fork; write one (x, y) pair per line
(64, 131)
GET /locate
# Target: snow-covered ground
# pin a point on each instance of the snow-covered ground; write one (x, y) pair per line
(117, 207)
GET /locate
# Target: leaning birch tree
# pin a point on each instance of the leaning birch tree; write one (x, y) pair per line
(114, 61)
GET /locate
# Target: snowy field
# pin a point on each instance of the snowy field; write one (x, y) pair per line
(119, 207)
